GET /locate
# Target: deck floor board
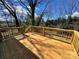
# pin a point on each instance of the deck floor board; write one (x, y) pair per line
(47, 48)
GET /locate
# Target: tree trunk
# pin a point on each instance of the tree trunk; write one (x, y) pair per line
(16, 21)
(33, 16)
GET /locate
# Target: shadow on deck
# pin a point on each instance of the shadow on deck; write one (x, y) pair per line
(13, 49)
(47, 48)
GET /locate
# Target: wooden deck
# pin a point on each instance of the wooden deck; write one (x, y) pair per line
(46, 48)
(13, 49)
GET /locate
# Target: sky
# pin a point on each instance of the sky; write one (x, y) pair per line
(59, 7)
(56, 8)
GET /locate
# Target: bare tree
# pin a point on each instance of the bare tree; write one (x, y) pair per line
(11, 10)
(41, 15)
(32, 4)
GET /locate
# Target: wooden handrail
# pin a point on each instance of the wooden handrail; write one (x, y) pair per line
(13, 31)
(56, 33)
(9, 32)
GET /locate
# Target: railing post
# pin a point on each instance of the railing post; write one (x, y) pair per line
(43, 31)
(30, 28)
(1, 37)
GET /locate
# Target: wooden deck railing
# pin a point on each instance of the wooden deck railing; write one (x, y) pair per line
(9, 32)
(12, 31)
(59, 34)
(69, 36)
